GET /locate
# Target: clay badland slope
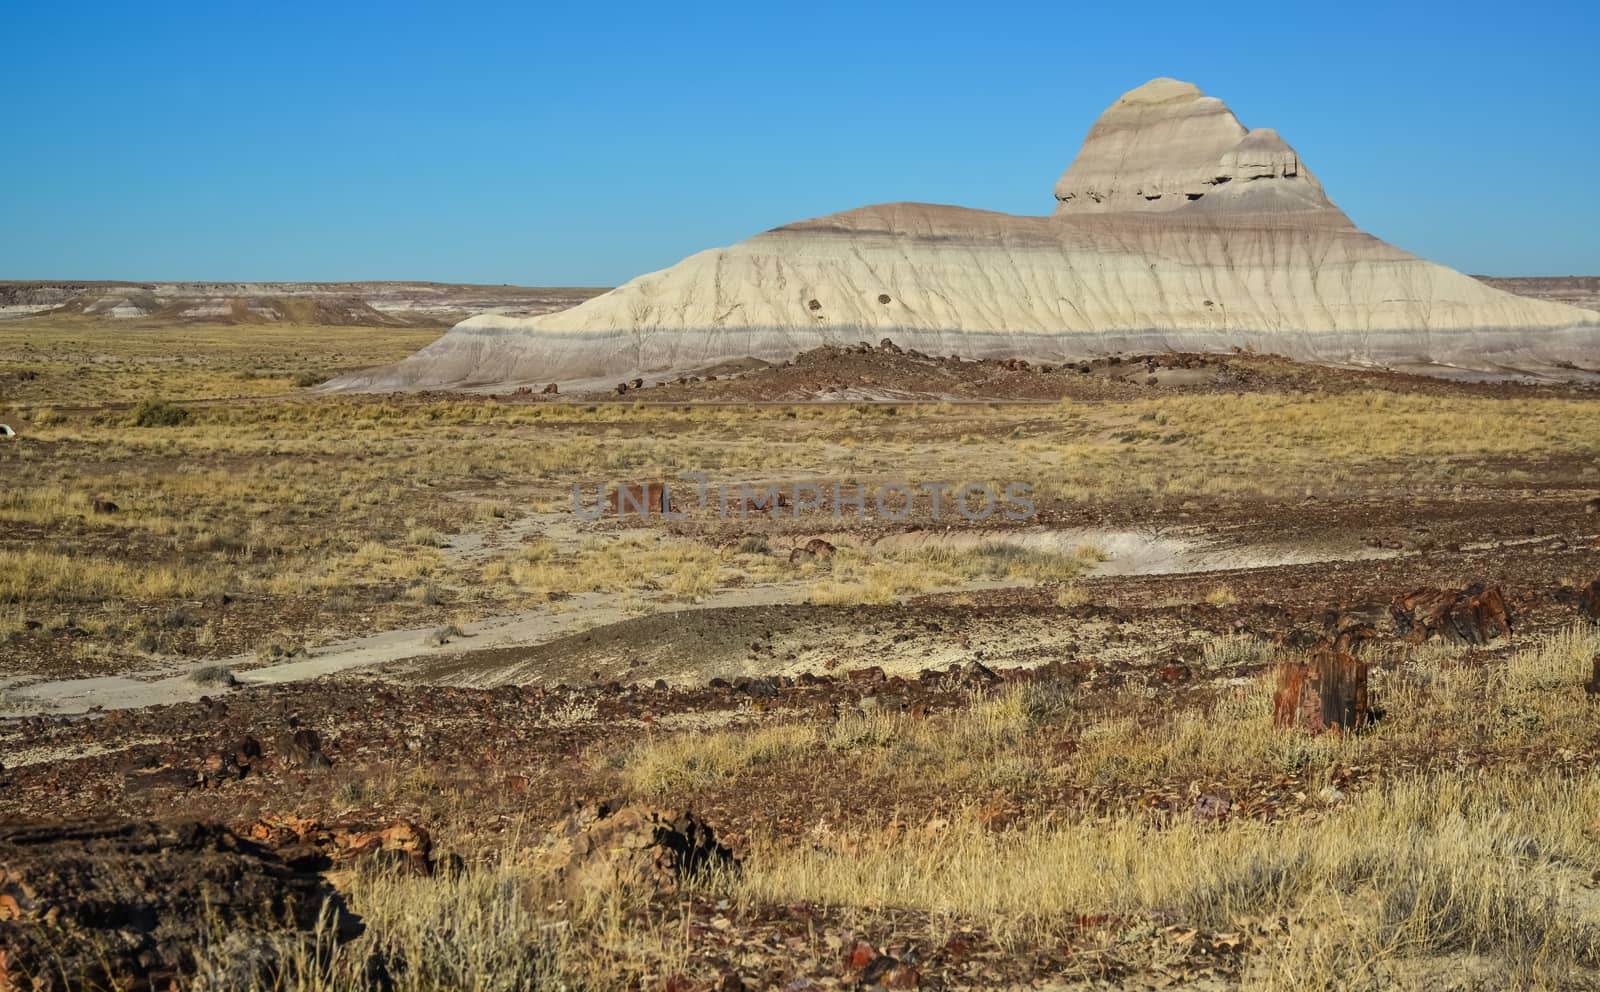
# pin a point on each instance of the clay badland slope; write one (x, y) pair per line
(1175, 229)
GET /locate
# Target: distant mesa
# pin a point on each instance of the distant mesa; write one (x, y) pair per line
(1175, 228)
(338, 304)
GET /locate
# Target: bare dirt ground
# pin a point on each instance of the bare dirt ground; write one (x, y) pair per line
(945, 753)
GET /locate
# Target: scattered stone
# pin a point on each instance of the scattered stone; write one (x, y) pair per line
(550, 390)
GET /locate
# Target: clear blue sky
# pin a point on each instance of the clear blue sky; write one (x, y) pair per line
(551, 143)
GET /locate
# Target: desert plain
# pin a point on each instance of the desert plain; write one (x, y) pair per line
(312, 690)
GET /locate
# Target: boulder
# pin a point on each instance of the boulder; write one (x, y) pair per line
(140, 905)
(303, 749)
(598, 848)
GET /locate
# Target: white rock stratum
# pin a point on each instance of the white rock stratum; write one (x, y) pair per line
(1175, 228)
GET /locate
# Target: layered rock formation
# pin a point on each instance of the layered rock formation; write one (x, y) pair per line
(1175, 228)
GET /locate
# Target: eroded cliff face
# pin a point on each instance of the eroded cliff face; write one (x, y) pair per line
(1175, 228)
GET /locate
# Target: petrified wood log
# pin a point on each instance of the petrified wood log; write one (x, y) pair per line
(640, 500)
(1327, 693)
(1474, 615)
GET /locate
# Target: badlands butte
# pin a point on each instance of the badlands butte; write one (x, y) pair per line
(312, 680)
(1175, 229)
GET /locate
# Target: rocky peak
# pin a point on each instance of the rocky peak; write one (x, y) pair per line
(1167, 146)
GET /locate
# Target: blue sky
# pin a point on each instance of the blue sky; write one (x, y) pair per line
(553, 143)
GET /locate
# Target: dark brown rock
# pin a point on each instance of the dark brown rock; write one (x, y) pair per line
(303, 749)
(138, 905)
(1589, 601)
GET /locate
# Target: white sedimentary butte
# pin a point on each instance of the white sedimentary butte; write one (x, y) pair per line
(1175, 228)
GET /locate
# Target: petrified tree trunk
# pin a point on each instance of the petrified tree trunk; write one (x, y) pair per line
(1327, 693)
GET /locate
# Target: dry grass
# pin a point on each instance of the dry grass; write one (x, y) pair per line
(873, 577)
(52, 577)
(355, 496)
(1452, 863)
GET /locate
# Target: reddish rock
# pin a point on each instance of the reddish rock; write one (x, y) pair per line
(1329, 693)
(1475, 615)
(314, 844)
(643, 500)
(1175, 673)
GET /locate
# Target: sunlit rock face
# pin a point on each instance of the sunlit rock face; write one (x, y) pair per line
(1166, 145)
(1175, 228)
